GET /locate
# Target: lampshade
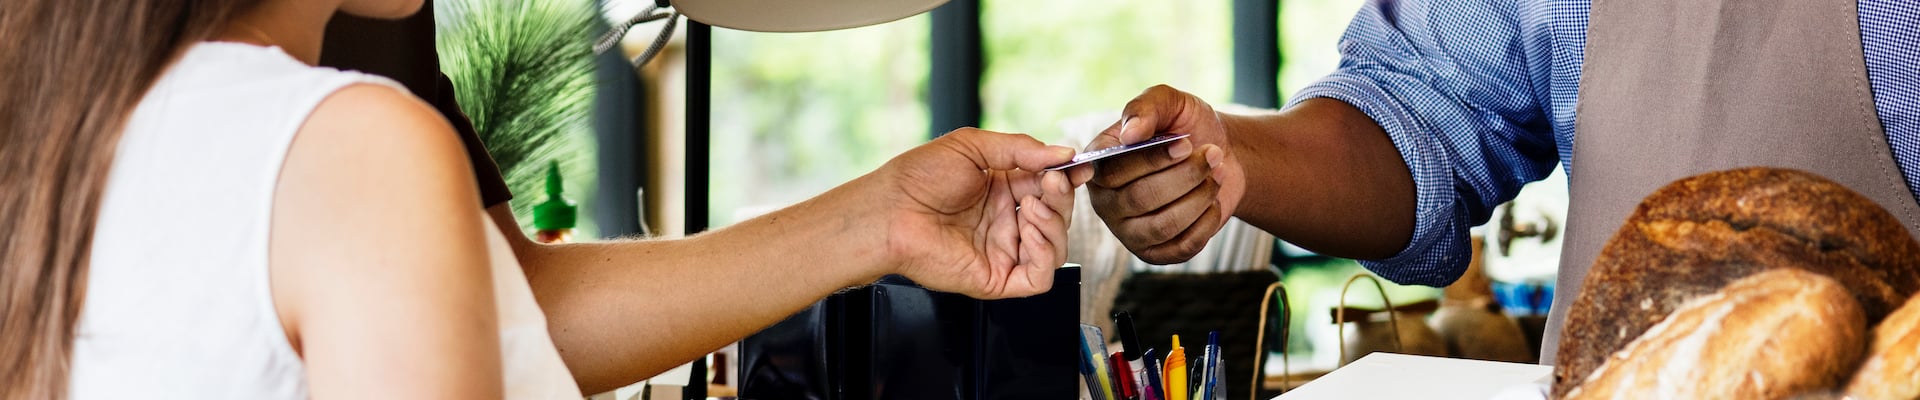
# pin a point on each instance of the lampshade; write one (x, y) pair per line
(800, 15)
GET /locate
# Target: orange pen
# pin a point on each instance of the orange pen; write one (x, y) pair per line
(1175, 374)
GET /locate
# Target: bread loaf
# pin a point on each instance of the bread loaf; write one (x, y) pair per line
(1892, 370)
(1698, 234)
(1767, 336)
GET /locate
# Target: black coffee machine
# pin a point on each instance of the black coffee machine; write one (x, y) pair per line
(896, 340)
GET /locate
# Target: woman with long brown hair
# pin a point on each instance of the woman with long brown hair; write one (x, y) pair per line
(190, 209)
(168, 235)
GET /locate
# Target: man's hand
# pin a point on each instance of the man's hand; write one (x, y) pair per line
(971, 213)
(1165, 205)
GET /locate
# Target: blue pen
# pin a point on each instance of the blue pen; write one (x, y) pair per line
(1211, 365)
(1155, 389)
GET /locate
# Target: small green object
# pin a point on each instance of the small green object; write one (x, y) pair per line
(557, 212)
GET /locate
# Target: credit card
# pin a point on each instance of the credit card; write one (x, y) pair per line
(1095, 155)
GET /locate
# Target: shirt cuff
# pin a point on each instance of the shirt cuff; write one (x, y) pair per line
(1438, 251)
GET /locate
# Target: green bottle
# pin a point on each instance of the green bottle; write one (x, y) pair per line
(553, 220)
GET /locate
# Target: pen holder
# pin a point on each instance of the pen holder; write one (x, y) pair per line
(1191, 304)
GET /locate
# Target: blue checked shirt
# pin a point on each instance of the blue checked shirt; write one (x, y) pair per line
(1478, 96)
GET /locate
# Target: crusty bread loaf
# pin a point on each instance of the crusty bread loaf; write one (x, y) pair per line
(1892, 370)
(1694, 236)
(1767, 336)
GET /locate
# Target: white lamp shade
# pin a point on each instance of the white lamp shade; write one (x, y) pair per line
(800, 15)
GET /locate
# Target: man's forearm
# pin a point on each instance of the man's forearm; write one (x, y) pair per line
(1324, 176)
(622, 311)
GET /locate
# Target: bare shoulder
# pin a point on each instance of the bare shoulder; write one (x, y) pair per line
(376, 199)
(376, 154)
(381, 121)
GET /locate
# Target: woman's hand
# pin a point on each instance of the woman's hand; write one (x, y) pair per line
(973, 213)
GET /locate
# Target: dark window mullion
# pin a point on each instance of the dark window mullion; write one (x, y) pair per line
(1256, 53)
(953, 85)
(699, 124)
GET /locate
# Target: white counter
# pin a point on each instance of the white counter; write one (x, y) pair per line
(1401, 376)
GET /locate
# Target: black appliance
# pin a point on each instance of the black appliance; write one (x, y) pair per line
(896, 340)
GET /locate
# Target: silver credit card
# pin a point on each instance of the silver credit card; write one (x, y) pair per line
(1095, 155)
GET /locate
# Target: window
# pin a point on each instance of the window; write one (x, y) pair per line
(795, 114)
(1048, 61)
(1309, 39)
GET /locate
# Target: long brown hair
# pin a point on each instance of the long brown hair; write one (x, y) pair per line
(70, 73)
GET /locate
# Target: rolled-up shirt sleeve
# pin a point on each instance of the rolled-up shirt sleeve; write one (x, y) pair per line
(1460, 87)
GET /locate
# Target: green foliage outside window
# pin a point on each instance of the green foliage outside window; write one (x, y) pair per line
(1052, 60)
(795, 114)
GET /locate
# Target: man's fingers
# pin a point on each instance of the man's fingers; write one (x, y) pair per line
(1156, 190)
(1188, 243)
(1169, 222)
(1106, 138)
(1122, 169)
(1131, 129)
(1152, 111)
(1001, 151)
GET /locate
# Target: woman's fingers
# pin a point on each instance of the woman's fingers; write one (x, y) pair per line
(1042, 252)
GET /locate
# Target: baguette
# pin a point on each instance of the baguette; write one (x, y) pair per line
(1892, 370)
(1767, 336)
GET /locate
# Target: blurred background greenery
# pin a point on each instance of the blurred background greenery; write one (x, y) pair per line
(796, 113)
(523, 73)
(1051, 60)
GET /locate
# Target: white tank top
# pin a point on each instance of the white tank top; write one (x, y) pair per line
(178, 304)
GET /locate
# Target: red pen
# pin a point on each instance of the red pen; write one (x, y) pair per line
(1124, 378)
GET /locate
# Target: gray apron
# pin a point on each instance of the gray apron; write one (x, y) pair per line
(1675, 88)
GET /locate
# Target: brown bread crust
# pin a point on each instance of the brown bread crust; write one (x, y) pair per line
(1698, 234)
(1782, 332)
(1892, 370)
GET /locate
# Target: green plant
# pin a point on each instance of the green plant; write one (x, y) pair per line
(523, 73)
